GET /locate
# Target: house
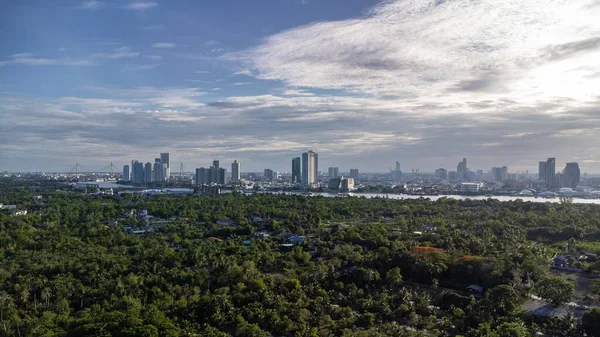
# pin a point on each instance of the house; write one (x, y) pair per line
(37, 197)
(591, 257)
(262, 235)
(294, 239)
(18, 213)
(225, 223)
(476, 290)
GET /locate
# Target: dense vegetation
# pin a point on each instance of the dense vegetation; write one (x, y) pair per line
(69, 268)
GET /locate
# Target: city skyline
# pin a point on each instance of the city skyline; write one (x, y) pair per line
(359, 81)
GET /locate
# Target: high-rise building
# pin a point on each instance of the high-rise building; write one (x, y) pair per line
(222, 176)
(542, 171)
(550, 173)
(216, 163)
(571, 175)
(202, 176)
(235, 171)
(138, 172)
(164, 158)
(500, 174)
(296, 170)
(347, 184)
(268, 174)
(126, 176)
(334, 172)
(354, 173)
(462, 170)
(148, 173)
(309, 167)
(158, 170)
(396, 174)
(441, 173)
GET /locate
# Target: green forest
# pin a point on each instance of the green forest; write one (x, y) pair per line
(282, 265)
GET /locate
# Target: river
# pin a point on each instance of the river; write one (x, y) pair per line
(110, 184)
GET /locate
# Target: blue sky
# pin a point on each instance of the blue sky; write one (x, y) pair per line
(362, 82)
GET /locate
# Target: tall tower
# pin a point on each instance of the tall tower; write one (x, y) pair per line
(572, 175)
(542, 170)
(235, 171)
(551, 172)
(296, 170)
(309, 167)
(158, 170)
(148, 173)
(164, 159)
(126, 173)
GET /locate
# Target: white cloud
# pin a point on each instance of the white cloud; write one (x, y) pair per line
(163, 45)
(211, 43)
(91, 4)
(141, 5)
(444, 51)
(245, 72)
(202, 72)
(122, 52)
(216, 89)
(31, 60)
(242, 83)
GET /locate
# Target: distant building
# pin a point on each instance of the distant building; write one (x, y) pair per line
(551, 173)
(462, 170)
(138, 172)
(268, 174)
(215, 163)
(296, 170)
(396, 174)
(354, 173)
(452, 176)
(310, 168)
(202, 177)
(441, 173)
(334, 172)
(347, 184)
(571, 175)
(222, 177)
(500, 174)
(158, 170)
(542, 171)
(165, 160)
(126, 176)
(148, 173)
(335, 184)
(470, 187)
(235, 171)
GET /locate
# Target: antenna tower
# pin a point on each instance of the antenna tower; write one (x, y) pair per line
(111, 168)
(181, 169)
(77, 168)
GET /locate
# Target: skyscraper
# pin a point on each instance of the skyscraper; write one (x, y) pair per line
(268, 174)
(461, 170)
(542, 170)
(334, 172)
(354, 173)
(148, 173)
(235, 171)
(202, 177)
(550, 173)
(216, 163)
(138, 172)
(164, 158)
(396, 174)
(500, 174)
(571, 175)
(309, 167)
(222, 179)
(126, 176)
(158, 170)
(296, 170)
(441, 173)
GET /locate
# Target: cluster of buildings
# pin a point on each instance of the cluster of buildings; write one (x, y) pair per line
(568, 178)
(216, 175)
(138, 173)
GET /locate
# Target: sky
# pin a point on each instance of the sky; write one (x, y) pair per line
(364, 83)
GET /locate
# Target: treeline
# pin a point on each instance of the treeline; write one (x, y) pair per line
(366, 267)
